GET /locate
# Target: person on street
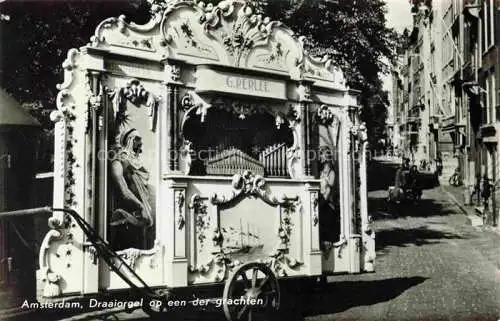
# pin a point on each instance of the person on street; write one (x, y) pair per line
(400, 180)
(439, 165)
(413, 183)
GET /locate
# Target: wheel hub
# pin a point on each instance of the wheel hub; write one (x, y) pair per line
(253, 293)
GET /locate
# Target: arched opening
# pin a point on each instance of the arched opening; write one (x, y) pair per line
(234, 137)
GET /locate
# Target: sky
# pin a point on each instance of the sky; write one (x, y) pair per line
(398, 17)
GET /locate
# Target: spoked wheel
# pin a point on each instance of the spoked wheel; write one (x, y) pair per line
(251, 293)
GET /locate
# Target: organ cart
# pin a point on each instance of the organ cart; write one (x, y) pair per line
(206, 147)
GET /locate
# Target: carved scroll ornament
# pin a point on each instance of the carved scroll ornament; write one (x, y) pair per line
(192, 101)
(131, 256)
(60, 235)
(250, 184)
(217, 268)
(281, 264)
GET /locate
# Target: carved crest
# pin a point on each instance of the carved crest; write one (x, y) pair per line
(229, 33)
(246, 32)
(249, 184)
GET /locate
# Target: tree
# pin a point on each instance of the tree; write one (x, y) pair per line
(354, 34)
(37, 34)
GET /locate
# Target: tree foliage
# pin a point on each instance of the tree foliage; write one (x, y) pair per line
(37, 35)
(354, 34)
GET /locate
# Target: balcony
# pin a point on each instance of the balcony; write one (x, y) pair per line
(414, 120)
(488, 133)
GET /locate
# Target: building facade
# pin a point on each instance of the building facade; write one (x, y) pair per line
(416, 97)
(445, 99)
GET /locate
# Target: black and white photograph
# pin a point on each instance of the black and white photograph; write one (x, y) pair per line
(249, 160)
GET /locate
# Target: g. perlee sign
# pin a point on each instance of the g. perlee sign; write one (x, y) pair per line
(247, 84)
(214, 80)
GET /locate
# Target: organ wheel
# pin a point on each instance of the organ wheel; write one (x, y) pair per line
(251, 293)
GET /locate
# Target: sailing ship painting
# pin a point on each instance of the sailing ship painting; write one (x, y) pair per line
(241, 240)
(248, 235)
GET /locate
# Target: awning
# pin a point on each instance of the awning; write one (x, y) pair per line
(472, 88)
(12, 113)
(471, 10)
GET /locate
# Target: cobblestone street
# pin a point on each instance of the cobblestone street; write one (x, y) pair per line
(250, 160)
(431, 264)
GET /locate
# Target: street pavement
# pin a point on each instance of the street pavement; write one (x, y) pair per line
(431, 265)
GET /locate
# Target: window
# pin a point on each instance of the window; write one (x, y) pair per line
(492, 22)
(488, 25)
(493, 96)
(490, 98)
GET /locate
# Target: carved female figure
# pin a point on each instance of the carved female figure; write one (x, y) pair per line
(328, 201)
(133, 209)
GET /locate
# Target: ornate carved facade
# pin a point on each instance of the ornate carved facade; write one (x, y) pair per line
(204, 153)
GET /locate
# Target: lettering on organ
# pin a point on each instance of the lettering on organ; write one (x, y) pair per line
(247, 84)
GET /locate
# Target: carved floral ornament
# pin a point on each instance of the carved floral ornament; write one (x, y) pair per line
(179, 206)
(135, 92)
(235, 25)
(174, 72)
(217, 268)
(132, 256)
(325, 116)
(291, 117)
(304, 92)
(192, 101)
(221, 263)
(241, 30)
(231, 26)
(363, 133)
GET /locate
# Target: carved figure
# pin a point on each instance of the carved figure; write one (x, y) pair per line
(327, 177)
(329, 210)
(327, 180)
(133, 210)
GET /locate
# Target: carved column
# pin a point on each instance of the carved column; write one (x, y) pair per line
(60, 136)
(172, 83)
(174, 132)
(174, 225)
(354, 240)
(313, 224)
(368, 234)
(304, 92)
(97, 144)
(98, 169)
